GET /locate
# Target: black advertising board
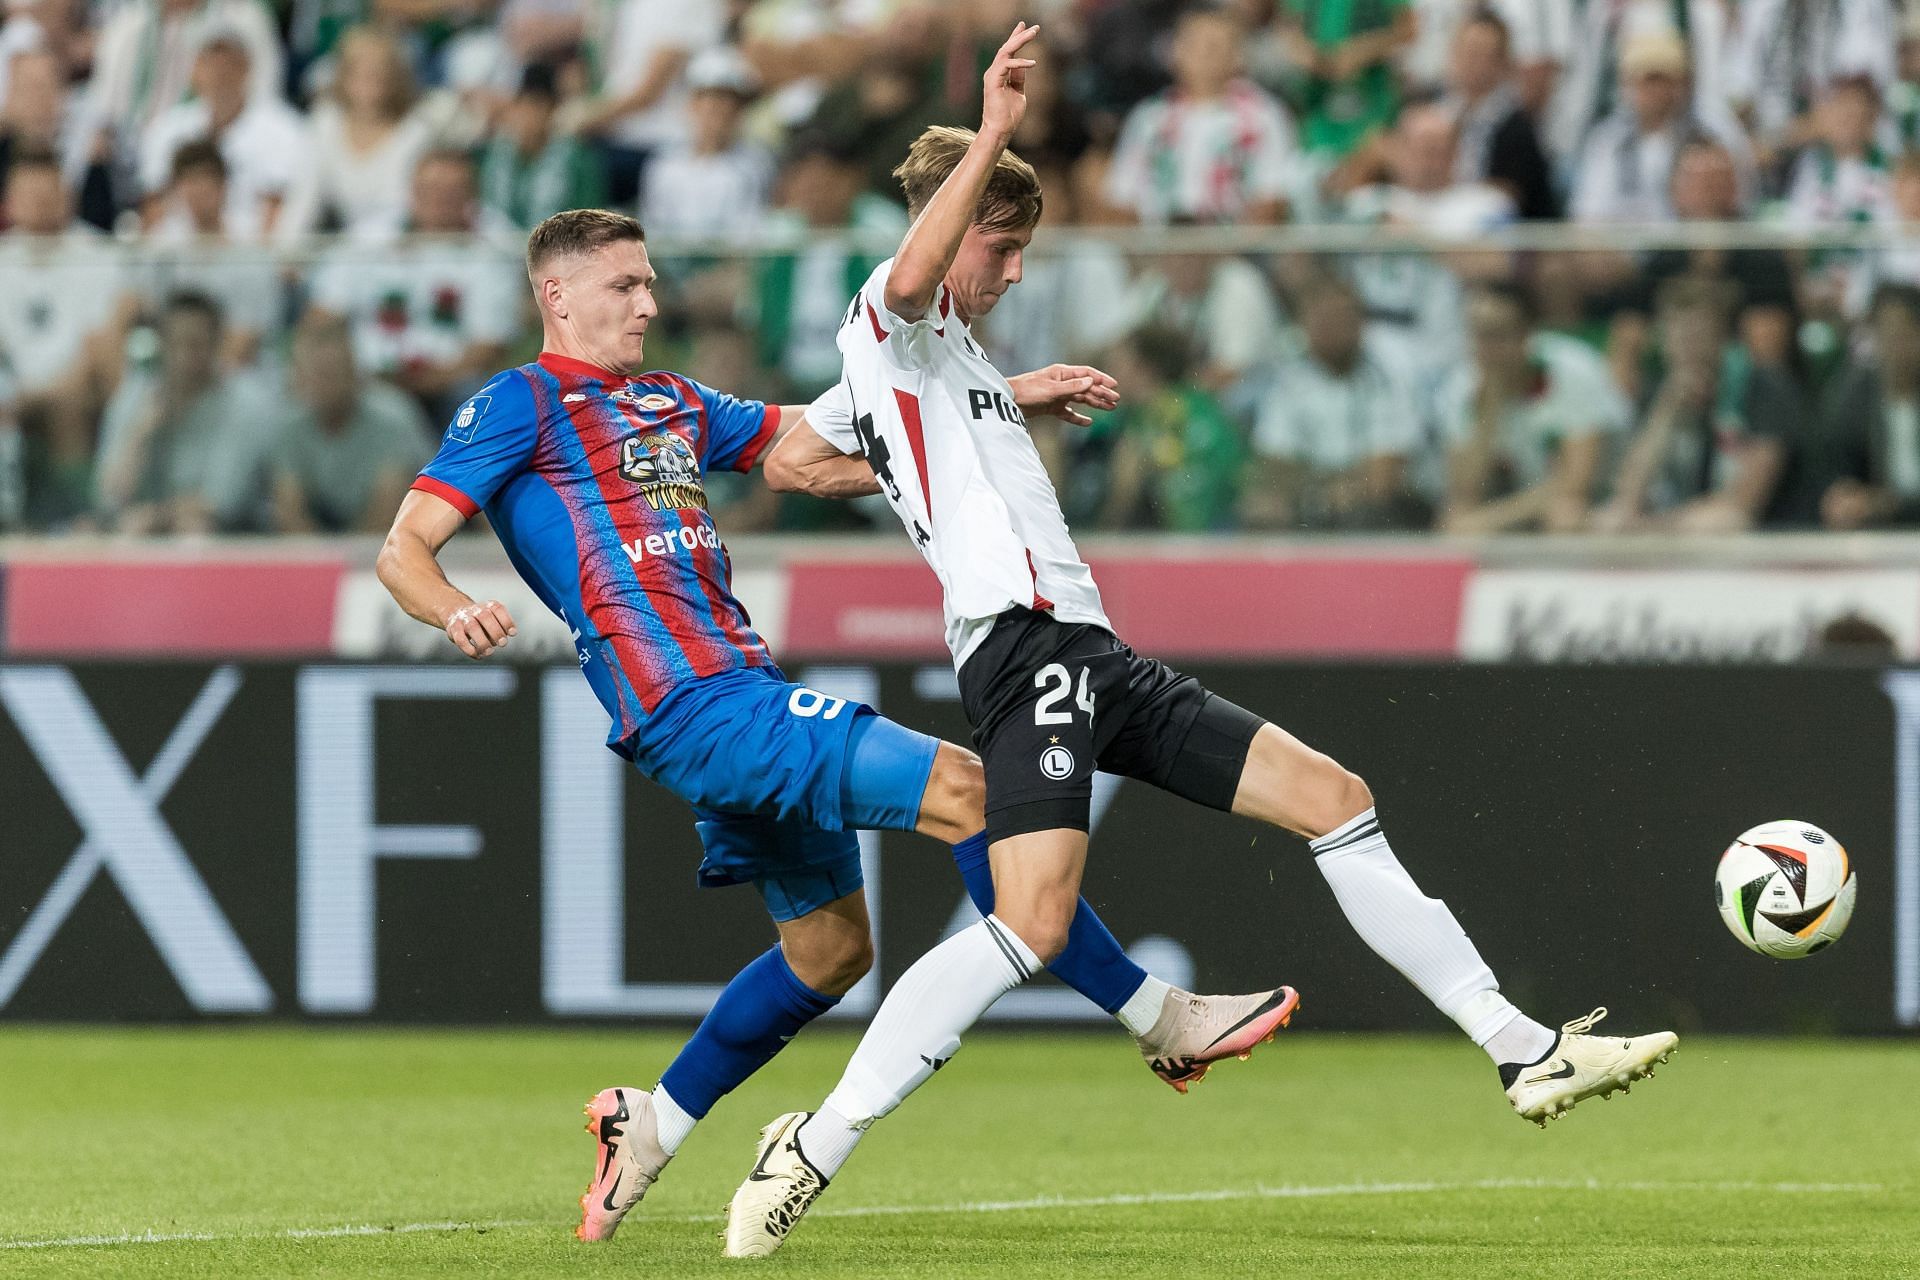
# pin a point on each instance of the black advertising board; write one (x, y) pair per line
(453, 843)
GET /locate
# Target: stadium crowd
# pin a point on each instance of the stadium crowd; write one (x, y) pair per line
(251, 256)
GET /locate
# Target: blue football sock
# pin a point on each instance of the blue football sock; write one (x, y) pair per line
(761, 1009)
(1092, 964)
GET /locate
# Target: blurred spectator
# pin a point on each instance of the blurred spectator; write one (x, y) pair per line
(1335, 428)
(1414, 300)
(1789, 52)
(1539, 43)
(1899, 261)
(1122, 55)
(182, 448)
(537, 31)
(1842, 175)
(640, 48)
(800, 294)
(1347, 50)
(1223, 304)
(37, 113)
(1528, 423)
(1423, 190)
(1706, 188)
(367, 135)
(1627, 163)
(1055, 131)
(62, 305)
(143, 61)
(529, 169)
(263, 141)
(1872, 423)
(713, 182)
(1496, 140)
(877, 113)
(1213, 148)
(433, 297)
(190, 250)
(1714, 432)
(1176, 456)
(344, 448)
(1589, 90)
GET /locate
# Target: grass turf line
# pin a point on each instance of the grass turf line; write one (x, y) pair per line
(1378, 1154)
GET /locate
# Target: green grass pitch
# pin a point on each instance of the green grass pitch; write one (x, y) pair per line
(346, 1152)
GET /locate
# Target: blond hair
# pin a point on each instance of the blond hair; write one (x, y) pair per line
(1011, 201)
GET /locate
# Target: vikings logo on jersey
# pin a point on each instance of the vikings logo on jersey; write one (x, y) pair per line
(664, 467)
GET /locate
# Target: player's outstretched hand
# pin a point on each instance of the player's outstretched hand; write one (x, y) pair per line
(1004, 87)
(479, 629)
(1053, 391)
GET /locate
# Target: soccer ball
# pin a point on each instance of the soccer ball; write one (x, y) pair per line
(1785, 889)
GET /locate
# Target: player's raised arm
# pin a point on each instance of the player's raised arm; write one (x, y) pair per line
(934, 239)
(409, 568)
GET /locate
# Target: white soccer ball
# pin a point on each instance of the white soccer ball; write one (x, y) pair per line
(1785, 889)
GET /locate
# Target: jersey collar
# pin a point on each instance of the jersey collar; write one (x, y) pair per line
(553, 362)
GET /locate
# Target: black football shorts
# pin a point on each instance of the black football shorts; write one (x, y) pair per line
(1051, 701)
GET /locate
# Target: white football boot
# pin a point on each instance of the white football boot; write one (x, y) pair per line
(627, 1158)
(1581, 1066)
(781, 1188)
(1194, 1032)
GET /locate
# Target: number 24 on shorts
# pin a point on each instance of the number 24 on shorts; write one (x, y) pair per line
(1054, 683)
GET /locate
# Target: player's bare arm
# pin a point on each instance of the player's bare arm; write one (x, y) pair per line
(802, 462)
(409, 568)
(1053, 392)
(934, 239)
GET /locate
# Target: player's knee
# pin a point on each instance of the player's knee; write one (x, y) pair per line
(955, 804)
(1043, 925)
(833, 965)
(1339, 795)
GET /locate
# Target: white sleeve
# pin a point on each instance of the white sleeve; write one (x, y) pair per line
(902, 343)
(831, 417)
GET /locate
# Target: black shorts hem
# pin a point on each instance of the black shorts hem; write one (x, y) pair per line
(1054, 813)
(1212, 755)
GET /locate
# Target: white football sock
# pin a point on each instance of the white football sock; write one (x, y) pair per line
(1416, 934)
(915, 1031)
(674, 1123)
(1142, 1008)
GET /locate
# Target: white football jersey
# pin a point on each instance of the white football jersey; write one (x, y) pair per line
(939, 427)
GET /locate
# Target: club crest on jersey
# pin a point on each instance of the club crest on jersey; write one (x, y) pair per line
(664, 467)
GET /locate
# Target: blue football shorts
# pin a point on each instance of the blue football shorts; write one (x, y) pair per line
(781, 777)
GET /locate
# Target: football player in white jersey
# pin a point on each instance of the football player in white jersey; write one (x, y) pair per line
(1052, 693)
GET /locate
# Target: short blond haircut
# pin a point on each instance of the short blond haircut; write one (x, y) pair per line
(1011, 201)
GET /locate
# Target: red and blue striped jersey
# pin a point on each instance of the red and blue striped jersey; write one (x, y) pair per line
(594, 484)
